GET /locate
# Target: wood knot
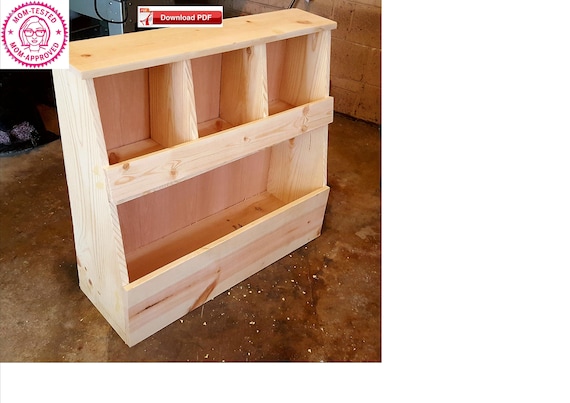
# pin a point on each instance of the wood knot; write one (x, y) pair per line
(85, 55)
(126, 166)
(248, 51)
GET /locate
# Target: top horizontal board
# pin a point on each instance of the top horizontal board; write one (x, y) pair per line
(137, 50)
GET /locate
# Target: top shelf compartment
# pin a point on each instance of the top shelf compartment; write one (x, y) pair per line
(134, 51)
(171, 87)
(155, 106)
(298, 71)
(151, 109)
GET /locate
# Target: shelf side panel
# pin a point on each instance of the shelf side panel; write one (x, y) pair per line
(97, 235)
(243, 93)
(124, 107)
(299, 166)
(172, 106)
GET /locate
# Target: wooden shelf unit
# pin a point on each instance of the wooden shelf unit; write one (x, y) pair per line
(194, 159)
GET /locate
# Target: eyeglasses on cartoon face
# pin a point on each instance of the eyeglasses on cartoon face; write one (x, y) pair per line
(30, 32)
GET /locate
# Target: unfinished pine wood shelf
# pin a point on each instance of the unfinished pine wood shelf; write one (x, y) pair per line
(194, 159)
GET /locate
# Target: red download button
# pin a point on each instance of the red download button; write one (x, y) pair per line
(187, 17)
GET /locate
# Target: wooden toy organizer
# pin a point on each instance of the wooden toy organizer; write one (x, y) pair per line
(194, 159)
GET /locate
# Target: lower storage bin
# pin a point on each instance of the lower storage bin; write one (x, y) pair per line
(155, 300)
(162, 226)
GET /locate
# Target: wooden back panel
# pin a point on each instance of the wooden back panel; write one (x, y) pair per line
(206, 72)
(123, 101)
(153, 216)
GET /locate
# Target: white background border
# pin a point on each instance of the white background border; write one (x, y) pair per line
(476, 229)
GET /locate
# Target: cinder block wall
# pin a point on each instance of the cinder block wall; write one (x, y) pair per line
(356, 49)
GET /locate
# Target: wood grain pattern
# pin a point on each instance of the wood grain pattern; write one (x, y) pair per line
(155, 215)
(166, 294)
(275, 61)
(176, 245)
(194, 159)
(243, 93)
(139, 176)
(212, 126)
(299, 165)
(133, 51)
(172, 108)
(207, 72)
(133, 150)
(124, 107)
(306, 69)
(98, 242)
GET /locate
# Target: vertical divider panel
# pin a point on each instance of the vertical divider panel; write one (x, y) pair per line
(306, 72)
(299, 166)
(172, 104)
(243, 93)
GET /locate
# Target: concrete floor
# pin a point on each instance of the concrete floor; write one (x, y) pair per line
(320, 303)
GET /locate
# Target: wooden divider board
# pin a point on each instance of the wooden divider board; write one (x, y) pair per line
(299, 165)
(243, 93)
(172, 107)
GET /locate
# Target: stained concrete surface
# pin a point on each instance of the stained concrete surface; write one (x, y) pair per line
(319, 303)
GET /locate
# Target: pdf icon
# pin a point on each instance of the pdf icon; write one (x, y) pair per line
(34, 35)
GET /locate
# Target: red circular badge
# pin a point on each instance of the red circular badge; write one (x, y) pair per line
(34, 34)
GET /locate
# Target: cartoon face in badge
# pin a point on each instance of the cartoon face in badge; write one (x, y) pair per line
(34, 33)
